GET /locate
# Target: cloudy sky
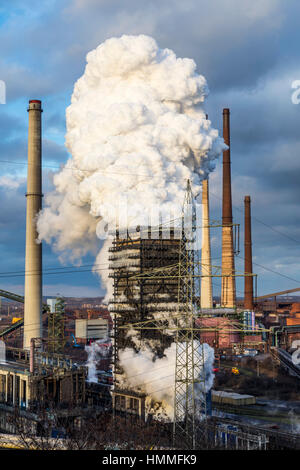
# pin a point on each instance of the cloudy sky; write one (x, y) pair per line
(249, 53)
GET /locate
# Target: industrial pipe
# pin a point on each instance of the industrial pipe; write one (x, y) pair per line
(33, 255)
(227, 198)
(248, 283)
(31, 357)
(228, 280)
(206, 298)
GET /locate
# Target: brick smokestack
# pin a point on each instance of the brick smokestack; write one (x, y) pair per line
(206, 282)
(228, 281)
(248, 289)
(33, 256)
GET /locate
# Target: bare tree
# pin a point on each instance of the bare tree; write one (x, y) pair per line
(50, 429)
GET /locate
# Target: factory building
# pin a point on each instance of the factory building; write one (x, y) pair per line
(31, 385)
(91, 330)
(218, 332)
(14, 385)
(32, 380)
(137, 298)
(22, 388)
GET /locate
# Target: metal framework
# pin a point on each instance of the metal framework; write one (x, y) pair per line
(138, 298)
(17, 298)
(148, 280)
(11, 296)
(188, 355)
(56, 328)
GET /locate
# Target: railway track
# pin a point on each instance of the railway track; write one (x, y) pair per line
(287, 439)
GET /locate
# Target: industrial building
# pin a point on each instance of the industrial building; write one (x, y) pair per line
(32, 378)
(91, 330)
(149, 289)
(34, 381)
(137, 299)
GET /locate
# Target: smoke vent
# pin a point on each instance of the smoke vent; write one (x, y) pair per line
(33, 256)
(206, 282)
(228, 280)
(248, 289)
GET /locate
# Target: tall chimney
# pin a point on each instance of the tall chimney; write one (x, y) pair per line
(228, 281)
(248, 289)
(206, 282)
(33, 256)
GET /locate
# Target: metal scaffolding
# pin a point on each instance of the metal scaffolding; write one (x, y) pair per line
(56, 327)
(188, 355)
(139, 290)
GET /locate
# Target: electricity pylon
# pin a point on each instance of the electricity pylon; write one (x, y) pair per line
(56, 330)
(189, 393)
(189, 354)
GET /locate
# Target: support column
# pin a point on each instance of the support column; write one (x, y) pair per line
(33, 262)
(228, 281)
(206, 282)
(248, 286)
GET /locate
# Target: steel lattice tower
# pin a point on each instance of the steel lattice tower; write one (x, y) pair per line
(189, 359)
(184, 270)
(56, 327)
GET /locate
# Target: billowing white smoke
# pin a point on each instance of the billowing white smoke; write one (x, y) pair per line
(96, 351)
(136, 131)
(156, 377)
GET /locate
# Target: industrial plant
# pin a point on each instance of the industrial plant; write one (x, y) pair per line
(162, 310)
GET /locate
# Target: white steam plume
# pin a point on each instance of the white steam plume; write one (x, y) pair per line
(156, 376)
(136, 131)
(96, 351)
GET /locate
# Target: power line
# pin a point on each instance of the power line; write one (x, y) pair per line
(59, 269)
(258, 220)
(35, 273)
(89, 171)
(147, 176)
(63, 269)
(272, 271)
(23, 271)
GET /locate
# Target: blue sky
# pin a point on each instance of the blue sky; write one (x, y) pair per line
(249, 53)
